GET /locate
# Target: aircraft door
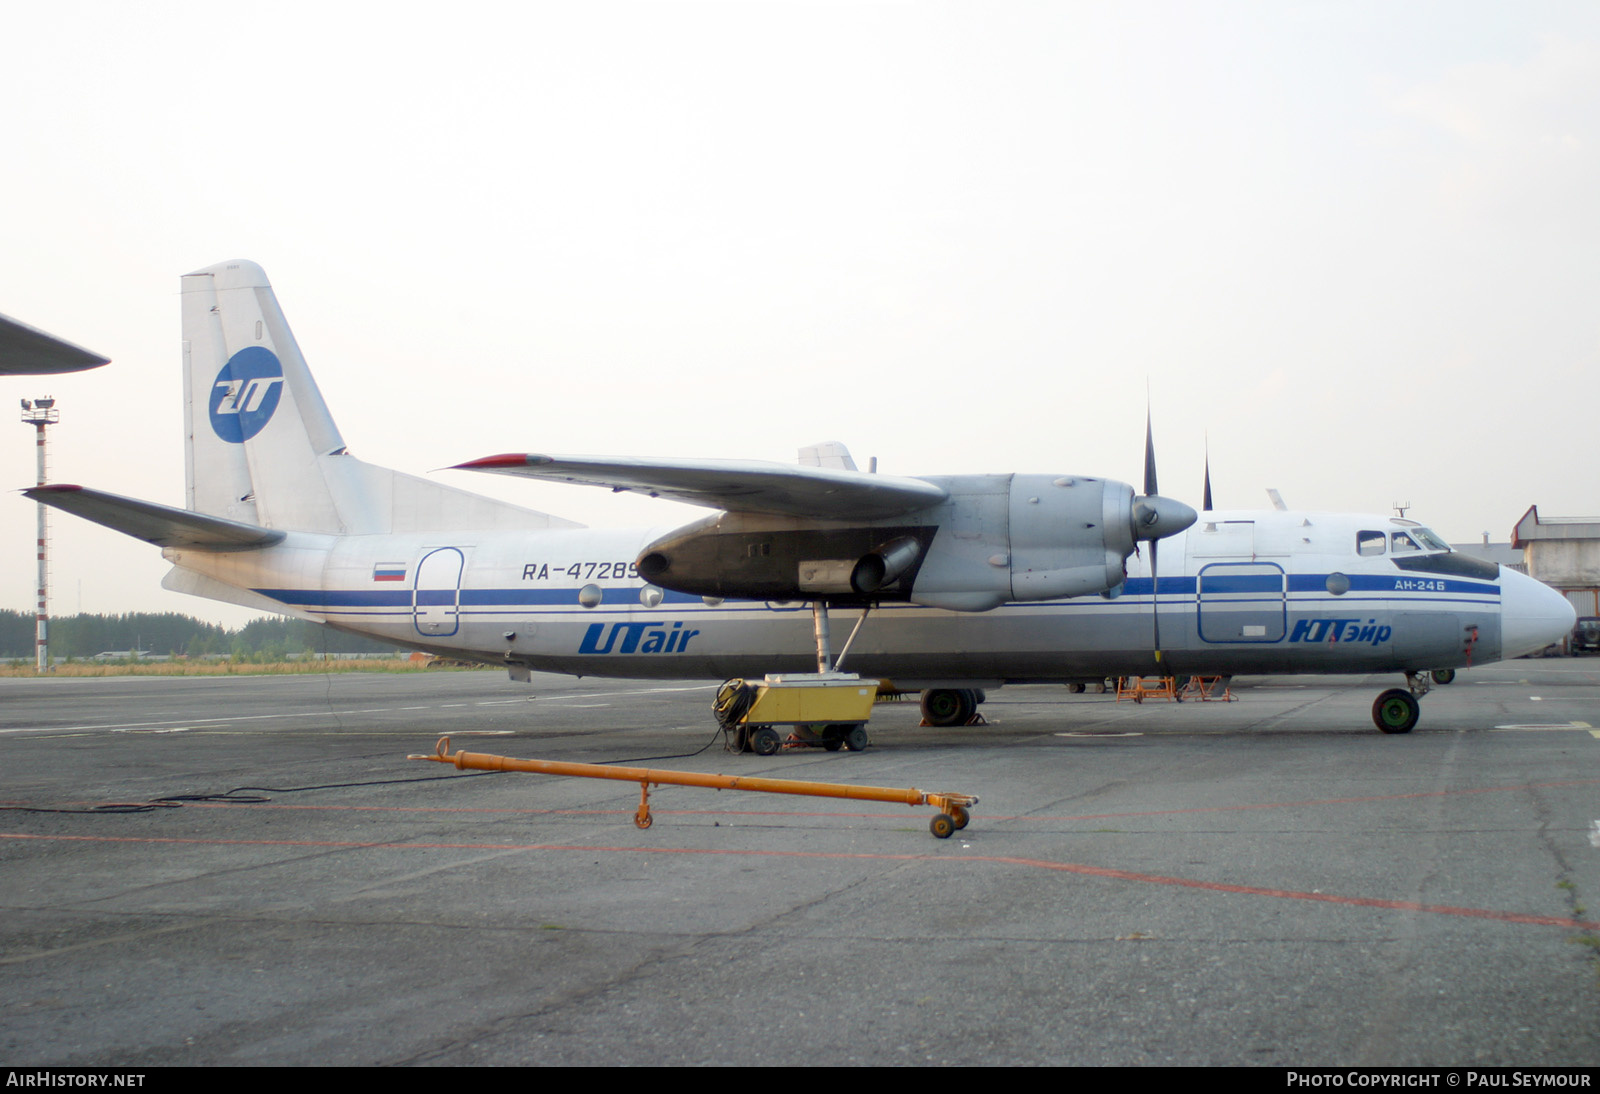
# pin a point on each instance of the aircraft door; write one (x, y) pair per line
(436, 597)
(1242, 602)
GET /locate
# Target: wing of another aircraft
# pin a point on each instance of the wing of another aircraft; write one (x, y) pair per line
(162, 525)
(745, 486)
(26, 350)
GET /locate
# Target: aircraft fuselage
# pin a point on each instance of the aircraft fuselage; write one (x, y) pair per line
(1246, 592)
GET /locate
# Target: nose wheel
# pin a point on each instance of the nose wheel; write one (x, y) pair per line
(1396, 711)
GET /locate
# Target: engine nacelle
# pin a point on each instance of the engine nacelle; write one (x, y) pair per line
(1069, 536)
(994, 539)
(1027, 537)
(763, 557)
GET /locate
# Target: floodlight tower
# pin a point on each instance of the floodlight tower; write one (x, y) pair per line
(40, 413)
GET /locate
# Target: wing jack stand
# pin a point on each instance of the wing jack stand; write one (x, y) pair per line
(1419, 683)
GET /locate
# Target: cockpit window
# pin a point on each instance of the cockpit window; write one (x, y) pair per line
(1400, 543)
(1369, 543)
(1429, 540)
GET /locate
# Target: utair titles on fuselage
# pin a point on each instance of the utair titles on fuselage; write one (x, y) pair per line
(973, 581)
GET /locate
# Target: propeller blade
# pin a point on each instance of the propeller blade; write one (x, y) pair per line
(1155, 600)
(1149, 456)
(1156, 517)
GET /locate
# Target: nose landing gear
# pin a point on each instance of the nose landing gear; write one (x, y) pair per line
(1397, 710)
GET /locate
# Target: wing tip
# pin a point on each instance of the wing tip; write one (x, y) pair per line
(505, 461)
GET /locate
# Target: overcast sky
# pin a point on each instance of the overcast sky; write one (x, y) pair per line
(1356, 244)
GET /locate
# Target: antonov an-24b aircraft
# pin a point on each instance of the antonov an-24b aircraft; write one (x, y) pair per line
(973, 581)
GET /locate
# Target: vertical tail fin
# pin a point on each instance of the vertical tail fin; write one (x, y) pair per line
(256, 421)
(260, 444)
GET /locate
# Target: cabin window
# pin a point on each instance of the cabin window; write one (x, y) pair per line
(1400, 543)
(1369, 543)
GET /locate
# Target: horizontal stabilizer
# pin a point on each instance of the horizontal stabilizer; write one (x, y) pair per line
(744, 486)
(162, 525)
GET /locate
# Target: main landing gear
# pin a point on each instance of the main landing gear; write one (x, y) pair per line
(951, 706)
(1397, 710)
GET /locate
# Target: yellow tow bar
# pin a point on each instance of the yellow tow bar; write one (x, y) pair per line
(954, 808)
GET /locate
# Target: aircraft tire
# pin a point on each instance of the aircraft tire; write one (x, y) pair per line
(946, 707)
(1443, 676)
(1396, 711)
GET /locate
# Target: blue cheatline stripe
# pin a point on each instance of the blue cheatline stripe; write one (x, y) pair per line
(1176, 585)
(340, 598)
(626, 597)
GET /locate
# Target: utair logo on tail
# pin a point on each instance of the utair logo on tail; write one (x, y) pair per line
(245, 394)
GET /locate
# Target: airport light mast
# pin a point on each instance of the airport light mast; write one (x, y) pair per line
(40, 413)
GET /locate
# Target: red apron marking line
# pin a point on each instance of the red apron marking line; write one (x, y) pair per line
(1006, 860)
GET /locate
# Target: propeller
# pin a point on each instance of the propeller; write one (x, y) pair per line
(1154, 519)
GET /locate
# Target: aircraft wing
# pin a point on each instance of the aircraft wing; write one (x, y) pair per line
(745, 486)
(162, 525)
(26, 350)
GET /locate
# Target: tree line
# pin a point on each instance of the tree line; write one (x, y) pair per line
(170, 634)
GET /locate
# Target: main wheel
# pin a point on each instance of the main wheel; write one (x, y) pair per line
(942, 825)
(1443, 676)
(765, 742)
(1396, 711)
(948, 706)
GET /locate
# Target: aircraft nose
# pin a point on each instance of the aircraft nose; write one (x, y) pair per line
(1532, 614)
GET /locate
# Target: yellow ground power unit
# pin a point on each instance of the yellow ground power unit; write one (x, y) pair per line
(828, 710)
